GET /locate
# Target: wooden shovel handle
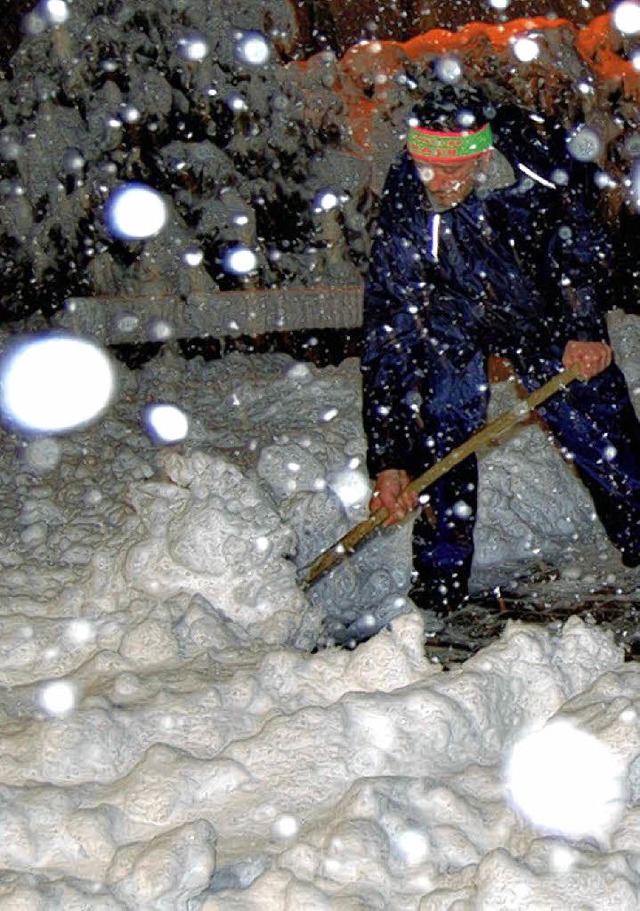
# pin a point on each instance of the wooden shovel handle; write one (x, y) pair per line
(520, 412)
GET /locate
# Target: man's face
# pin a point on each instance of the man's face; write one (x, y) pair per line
(450, 182)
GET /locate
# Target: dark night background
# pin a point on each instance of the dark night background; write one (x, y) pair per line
(50, 259)
(339, 23)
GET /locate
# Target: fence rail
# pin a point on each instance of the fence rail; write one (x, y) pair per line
(121, 320)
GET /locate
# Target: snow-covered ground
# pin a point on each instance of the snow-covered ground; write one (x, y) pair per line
(170, 740)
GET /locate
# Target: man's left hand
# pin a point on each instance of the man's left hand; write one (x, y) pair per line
(590, 357)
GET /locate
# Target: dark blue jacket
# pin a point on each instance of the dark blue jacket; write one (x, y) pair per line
(517, 269)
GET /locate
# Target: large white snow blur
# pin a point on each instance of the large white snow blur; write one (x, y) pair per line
(584, 144)
(253, 48)
(626, 17)
(239, 260)
(57, 697)
(54, 12)
(566, 781)
(526, 49)
(54, 383)
(166, 423)
(194, 48)
(448, 68)
(351, 486)
(135, 212)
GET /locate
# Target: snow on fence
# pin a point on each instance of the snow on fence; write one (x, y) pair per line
(131, 320)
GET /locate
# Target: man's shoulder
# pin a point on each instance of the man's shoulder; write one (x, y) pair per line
(499, 173)
(520, 133)
(402, 187)
(400, 173)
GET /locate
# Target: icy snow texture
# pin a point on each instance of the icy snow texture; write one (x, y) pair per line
(212, 762)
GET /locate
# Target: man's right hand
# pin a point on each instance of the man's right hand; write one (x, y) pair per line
(389, 494)
(591, 358)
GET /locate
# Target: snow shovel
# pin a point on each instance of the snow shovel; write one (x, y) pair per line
(490, 432)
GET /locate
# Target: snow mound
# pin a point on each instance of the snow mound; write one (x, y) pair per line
(207, 522)
(171, 741)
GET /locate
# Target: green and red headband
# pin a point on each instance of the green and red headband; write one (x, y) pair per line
(432, 145)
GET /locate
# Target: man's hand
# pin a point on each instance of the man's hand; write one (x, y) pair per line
(388, 494)
(590, 357)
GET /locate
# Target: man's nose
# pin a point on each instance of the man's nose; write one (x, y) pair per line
(440, 181)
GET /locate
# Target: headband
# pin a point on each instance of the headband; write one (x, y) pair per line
(430, 145)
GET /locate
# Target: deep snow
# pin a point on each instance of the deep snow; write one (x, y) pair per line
(170, 741)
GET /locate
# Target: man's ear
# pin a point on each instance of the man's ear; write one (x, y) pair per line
(484, 160)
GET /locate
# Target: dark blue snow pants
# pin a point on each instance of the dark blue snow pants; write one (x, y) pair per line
(594, 420)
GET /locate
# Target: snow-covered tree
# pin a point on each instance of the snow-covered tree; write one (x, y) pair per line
(250, 148)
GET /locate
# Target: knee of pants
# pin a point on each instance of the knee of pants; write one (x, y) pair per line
(450, 555)
(441, 545)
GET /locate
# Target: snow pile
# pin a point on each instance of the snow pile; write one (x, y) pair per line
(200, 528)
(170, 741)
(277, 779)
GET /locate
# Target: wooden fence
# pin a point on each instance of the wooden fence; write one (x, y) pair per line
(132, 320)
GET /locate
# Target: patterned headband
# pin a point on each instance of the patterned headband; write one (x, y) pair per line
(430, 145)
